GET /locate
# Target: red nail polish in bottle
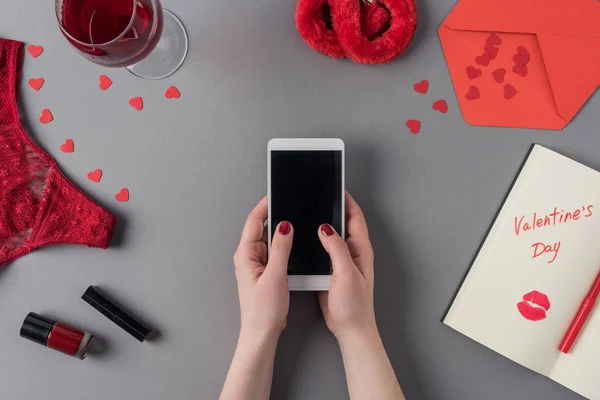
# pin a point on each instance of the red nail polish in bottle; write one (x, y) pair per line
(56, 335)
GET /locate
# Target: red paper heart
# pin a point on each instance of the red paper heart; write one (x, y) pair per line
(68, 146)
(421, 87)
(172, 93)
(123, 195)
(137, 103)
(95, 175)
(36, 83)
(105, 82)
(441, 106)
(414, 125)
(493, 40)
(483, 59)
(522, 50)
(521, 59)
(46, 116)
(509, 91)
(498, 75)
(473, 72)
(473, 93)
(492, 51)
(35, 51)
(520, 70)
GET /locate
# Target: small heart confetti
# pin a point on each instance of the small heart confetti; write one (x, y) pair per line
(492, 51)
(493, 40)
(137, 103)
(414, 125)
(522, 71)
(498, 75)
(473, 72)
(46, 116)
(35, 51)
(523, 51)
(68, 146)
(521, 59)
(473, 93)
(123, 195)
(172, 93)
(509, 91)
(421, 87)
(95, 175)
(105, 82)
(441, 106)
(36, 83)
(483, 59)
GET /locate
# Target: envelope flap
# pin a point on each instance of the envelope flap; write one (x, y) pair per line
(573, 66)
(567, 17)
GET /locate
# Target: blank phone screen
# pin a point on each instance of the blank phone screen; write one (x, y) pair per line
(306, 190)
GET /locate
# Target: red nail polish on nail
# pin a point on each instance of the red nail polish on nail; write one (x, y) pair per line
(285, 228)
(327, 229)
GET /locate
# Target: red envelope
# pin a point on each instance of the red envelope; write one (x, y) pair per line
(562, 38)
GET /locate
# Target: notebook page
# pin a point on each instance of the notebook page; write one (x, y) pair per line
(519, 296)
(580, 369)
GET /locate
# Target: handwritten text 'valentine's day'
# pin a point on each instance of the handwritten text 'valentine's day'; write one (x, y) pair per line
(556, 217)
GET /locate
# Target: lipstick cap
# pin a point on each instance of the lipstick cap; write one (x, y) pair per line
(37, 328)
(101, 302)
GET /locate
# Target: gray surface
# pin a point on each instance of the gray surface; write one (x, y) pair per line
(196, 166)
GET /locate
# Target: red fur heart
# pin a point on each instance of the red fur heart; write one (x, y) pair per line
(172, 93)
(520, 70)
(473, 72)
(441, 106)
(421, 87)
(95, 175)
(492, 51)
(493, 40)
(123, 195)
(137, 103)
(46, 116)
(483, 59)
(509, 91)
(34, 50)
(498, 75)
(36, 83)
(105, 82)
(473, 93)
(68, 146)
(414, 125)
(521, 59)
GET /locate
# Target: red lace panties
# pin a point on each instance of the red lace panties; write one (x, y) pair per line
(38, 205)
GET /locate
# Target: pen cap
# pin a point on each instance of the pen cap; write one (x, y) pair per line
(101, 302)
(37, 328)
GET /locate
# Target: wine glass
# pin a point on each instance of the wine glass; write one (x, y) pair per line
(137, 34)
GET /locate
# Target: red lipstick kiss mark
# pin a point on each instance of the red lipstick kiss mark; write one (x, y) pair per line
(534, 306)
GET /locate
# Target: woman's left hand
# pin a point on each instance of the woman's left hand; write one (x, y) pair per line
(263, 285)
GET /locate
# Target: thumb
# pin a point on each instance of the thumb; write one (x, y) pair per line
(280, 249)
(336, 247)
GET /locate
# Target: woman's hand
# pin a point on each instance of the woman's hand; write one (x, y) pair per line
(263, 286)
(348, 306)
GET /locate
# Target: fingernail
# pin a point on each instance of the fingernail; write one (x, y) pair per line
(326, 229)
(285, 228)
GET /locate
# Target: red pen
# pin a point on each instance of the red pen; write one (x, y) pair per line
(581, 318)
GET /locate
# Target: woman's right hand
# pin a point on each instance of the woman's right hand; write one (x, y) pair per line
(348, 305)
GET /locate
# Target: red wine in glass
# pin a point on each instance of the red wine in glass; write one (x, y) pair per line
(118, 33)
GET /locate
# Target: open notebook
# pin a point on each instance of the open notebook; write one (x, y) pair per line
(533, 270)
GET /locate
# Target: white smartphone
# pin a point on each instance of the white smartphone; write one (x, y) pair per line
(305, 179)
